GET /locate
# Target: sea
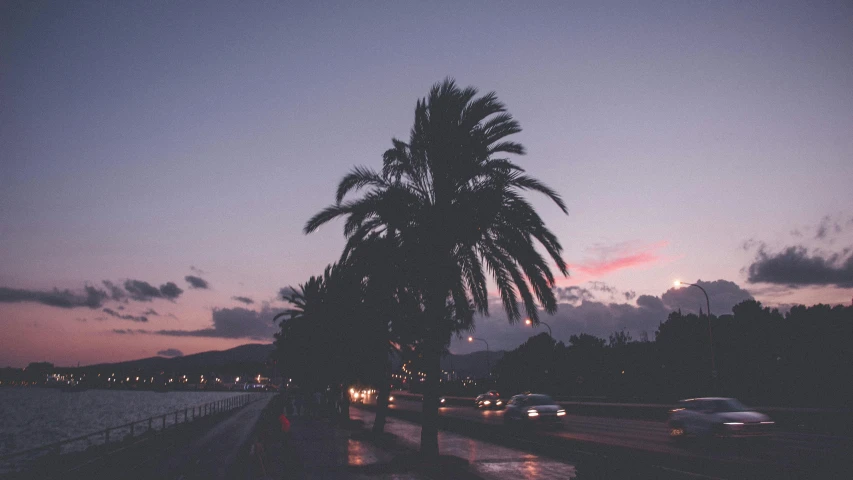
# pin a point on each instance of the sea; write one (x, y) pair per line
(34, 417)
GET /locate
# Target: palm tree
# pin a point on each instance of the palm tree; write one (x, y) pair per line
(456, 205)
(322, 340)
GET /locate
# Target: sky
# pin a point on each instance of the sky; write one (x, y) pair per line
(158, 160)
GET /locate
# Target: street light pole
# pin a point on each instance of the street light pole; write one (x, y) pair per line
(488, 363)
(710, 334)
(530, 322)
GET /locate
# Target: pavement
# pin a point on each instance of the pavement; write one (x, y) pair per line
(321, 450)
(214, 454)
(485, 460)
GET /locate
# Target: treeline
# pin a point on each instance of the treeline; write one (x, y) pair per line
(761, 356)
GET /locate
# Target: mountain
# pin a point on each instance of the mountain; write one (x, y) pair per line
(472, 364)
(252, 353)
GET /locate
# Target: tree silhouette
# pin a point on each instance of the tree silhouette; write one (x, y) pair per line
(457, 206)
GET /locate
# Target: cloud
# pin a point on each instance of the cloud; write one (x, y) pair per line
(603, 318)
(145, 292)
(151, 312)
(170, 291)
(723, 295)
(592, 317)
(797, 267)
(90, 297)
(116, 292)
(573, 294)
(197, 282)
(617, 257)
(142, 291)
(233, 323)
(113, 313)
(246, 300)
(285, 292)
(603, 287)
(197, 270)
(827, 228)
(629, 295)
(129, 331)
(170, 352)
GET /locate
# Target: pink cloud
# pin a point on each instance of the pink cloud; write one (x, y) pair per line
(615, 257)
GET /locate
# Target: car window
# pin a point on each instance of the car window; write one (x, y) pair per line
(729, 405)
(539, 400)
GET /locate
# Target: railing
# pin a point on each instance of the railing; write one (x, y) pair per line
(126, 432)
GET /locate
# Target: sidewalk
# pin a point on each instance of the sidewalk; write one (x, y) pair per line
(321, 450)
(486, 460)
(213, 455)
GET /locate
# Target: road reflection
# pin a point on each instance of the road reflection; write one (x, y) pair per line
(357, 454)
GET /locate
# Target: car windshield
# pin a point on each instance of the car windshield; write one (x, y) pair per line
(729, 405)
(539, 400)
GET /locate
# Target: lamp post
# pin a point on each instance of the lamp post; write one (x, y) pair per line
(679, 283)
(488, 363)
(530, 322)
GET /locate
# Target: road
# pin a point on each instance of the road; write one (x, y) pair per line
(790, 451)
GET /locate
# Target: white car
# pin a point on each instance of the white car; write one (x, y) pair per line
(717, 417)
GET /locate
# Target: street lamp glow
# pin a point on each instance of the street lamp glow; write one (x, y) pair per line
(530, 322)
(470, 339)
(677, 283)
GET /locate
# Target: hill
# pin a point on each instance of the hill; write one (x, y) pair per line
(244, 354)
(472, 364)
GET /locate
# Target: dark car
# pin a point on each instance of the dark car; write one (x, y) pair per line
(717, 417)
(533, 409)
(490, 399)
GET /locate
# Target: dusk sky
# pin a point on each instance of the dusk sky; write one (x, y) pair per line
(158, 160)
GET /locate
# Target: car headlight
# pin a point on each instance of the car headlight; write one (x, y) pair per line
(561, 412)
(532, 413)
(499, 402)
(442, 400)
(487, 402)
(391, 399)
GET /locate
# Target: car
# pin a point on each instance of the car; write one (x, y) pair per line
(489, 400)
(533, 409)
(715, 417)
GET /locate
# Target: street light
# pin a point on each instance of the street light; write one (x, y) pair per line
(530, 322)
(488, 363)
(679, 283)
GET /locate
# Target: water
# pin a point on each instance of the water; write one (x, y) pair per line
(33, 417)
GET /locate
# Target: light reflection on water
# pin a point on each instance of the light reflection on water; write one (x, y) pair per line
(32, 417)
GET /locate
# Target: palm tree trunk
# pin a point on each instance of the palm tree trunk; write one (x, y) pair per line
(429, 419)
(344, 404)
(432, 368)
(382, 400)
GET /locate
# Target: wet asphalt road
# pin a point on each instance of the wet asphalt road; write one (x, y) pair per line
(785, 449)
